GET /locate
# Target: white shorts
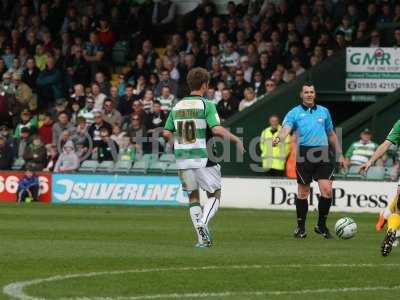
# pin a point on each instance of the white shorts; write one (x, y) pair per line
(208, 179)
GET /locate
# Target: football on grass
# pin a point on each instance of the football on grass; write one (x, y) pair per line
(346, 228)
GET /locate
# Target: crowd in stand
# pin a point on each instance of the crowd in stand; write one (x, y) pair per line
(63, 99)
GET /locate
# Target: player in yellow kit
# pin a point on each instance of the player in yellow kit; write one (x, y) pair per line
(391, 214)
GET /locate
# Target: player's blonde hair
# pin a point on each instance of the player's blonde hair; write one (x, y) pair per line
(196, 78)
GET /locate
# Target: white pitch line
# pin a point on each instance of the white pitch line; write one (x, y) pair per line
(16, 289)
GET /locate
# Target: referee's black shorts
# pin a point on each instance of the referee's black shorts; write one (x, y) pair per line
(313, 163)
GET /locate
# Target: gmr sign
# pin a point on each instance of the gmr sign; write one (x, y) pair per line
(379, 57)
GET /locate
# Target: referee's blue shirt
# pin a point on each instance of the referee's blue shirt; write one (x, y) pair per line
(312, 125)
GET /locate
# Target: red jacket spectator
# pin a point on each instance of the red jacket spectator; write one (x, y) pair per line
(46, 130)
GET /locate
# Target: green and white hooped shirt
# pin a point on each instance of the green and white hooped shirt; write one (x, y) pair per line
(191, 120)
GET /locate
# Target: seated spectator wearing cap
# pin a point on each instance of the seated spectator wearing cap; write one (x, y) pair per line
(249, 99)
(35, 154)
(27, 120)
(361, 151)
(6, 86)
(228, 106)
(97, 126)
(62, 124)
(28, 187)
(110, 114)
(68, 160)
(22, 142)
(45, 130)
(6, 154)
(88, 111)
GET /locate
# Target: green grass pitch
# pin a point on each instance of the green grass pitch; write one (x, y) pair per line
(254, 256)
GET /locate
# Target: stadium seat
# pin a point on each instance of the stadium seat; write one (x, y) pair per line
(105, 166)
(89, 166)
(376, 173)
(18, 164)
(171, 169)
(120, 53)
(140, 166)
(123, 166)
(167, 157)
(157, 167)
(149, 157)
(354, 172)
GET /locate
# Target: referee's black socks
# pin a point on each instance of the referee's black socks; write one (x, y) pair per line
(301, 210)
(324, 204)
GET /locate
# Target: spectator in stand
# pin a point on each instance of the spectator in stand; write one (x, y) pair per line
(127, 150)
(167, 99)
(118, 134)
(104, 85)
(26, 120)
(79, 94)
(88, 111)
(97, 95)
(249, 99)
(49, 84)
(136, 131)
(270, 86)
(68, 160)
(114, 96)
(22, 142)
(110, 114)
(6, 154)
(62, 124)
(107, 148)
(228, 106)
(60, 106)
(52, 157)
(230, 58)
(30, 74)
(78, 69)
(147, 101)
(93, 52)
(361, 151)
(264, 66)
(41, 57)
(35, 154)
(165, 80)
(126, 101)
(95, 128)
(46, 129)
(74, 109)
(396, 42)
(23, 96)
(246, 68)
(107, 37)
(257, 84)
(240, 85)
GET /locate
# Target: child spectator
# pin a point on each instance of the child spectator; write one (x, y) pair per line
(68, 160)
(28, 187)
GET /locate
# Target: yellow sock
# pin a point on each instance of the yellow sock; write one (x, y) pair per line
(394, 222)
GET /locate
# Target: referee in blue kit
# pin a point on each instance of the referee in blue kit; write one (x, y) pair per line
(314, 129)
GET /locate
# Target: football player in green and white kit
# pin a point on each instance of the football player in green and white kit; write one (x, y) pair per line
(193, 121)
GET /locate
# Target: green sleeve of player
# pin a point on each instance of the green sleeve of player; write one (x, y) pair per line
(349, 152)
(212, 114)
(169, 124)
(394, 134)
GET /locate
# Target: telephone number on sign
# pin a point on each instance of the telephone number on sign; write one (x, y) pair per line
(373, 85)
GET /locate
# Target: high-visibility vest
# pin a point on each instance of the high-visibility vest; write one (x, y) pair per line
(273, 157)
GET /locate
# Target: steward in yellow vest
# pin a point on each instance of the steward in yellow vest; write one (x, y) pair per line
(273, 158)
